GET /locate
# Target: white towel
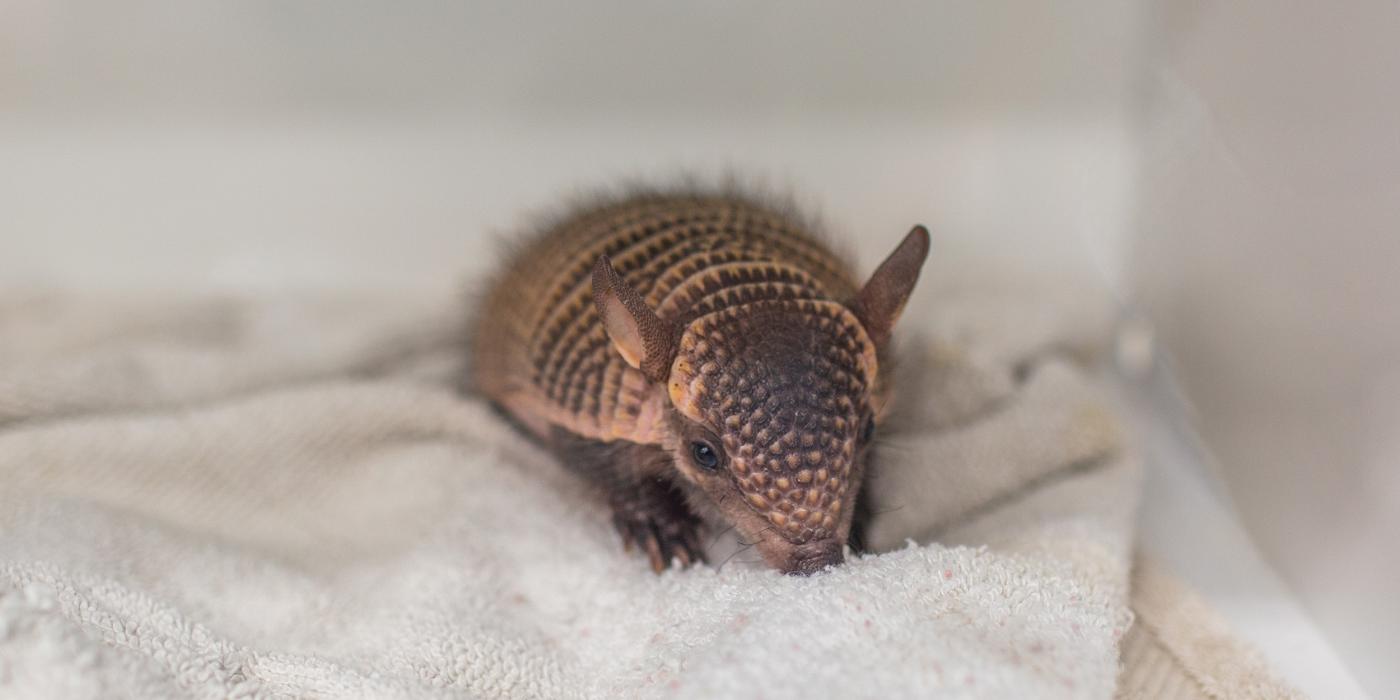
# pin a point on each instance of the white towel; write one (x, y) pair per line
(268, 498)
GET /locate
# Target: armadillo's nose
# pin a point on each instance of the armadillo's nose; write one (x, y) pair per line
(812, 557)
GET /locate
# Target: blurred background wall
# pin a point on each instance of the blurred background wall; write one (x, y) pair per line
(263, 143)
(1233, 167)
(1266, 248)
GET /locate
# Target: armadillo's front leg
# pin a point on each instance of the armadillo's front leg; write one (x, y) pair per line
(655, 519)
(647, 511)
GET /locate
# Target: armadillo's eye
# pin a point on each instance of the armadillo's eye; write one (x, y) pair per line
(704, 454)
(867, 431)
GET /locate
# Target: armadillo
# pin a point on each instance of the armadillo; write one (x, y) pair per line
(706, 361)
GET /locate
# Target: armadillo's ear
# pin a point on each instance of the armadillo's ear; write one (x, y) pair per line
(882, 298)
(640, 336)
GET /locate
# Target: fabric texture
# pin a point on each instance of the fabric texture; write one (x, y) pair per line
(1178, 649)
(287, 498)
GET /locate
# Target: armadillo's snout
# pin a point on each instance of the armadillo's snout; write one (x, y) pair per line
(809, 558)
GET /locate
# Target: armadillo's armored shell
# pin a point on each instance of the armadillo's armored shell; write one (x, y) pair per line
(784, 382)
(540, 349)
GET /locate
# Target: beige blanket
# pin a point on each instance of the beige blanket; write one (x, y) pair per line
(285, 498)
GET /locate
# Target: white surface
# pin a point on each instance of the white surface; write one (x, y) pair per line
(257, 143)
(311, 205)
(1266, 251)
(1189, 525)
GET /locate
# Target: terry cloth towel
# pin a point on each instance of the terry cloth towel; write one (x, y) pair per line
(286, 498)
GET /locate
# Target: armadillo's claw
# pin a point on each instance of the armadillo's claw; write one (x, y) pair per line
(665, 540)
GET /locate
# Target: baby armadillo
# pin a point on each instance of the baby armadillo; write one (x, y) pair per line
(703, 359)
